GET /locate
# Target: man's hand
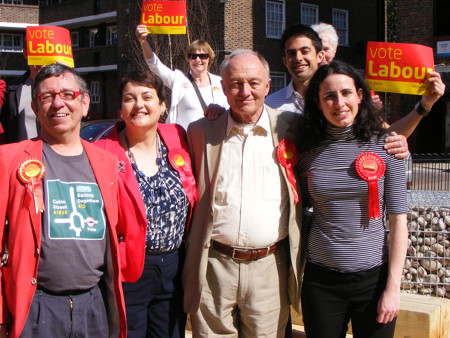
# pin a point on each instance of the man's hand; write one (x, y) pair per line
(396, 145)
(213, 111)
(434, 92)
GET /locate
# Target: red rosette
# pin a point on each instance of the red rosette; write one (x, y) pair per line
(31, 169)
(287, 155)
(181, 162)
(370, 167)
(31, 173)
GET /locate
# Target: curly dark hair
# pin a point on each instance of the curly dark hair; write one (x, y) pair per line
(311, 129)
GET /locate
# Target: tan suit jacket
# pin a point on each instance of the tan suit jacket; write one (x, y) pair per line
(205, 142)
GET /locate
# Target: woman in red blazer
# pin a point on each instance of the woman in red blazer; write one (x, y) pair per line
(157, 192)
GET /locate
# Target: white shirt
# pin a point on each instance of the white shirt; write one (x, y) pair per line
(251, 206)
(286, 99)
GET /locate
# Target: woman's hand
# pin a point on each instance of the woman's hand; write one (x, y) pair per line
(388, 306)
(435, 90)
(389, 302)
(141, 33)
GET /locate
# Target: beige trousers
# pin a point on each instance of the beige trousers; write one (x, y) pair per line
(244, 298)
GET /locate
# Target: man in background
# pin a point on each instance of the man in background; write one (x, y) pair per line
(17, 117)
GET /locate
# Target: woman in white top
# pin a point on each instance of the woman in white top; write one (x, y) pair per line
(186, 105)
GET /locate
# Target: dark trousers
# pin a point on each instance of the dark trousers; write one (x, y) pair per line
(75, 315)
(330, 299)
(154, 303)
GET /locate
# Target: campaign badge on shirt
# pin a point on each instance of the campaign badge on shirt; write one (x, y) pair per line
(370, 167)
(288, 157)
(75, 211)
(181, 162)
(31, 173)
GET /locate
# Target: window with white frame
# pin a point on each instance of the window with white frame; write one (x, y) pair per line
(111, 35)
(93, 37)
(277, 81)
(309, 14)
(340, 23)
(74, 37)
(11, 42)
(275, 18)
(94, 91)
(13, 2)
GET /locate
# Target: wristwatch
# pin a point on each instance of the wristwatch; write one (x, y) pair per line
(421, 110)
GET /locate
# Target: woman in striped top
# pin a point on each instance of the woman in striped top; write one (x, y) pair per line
(352, 272)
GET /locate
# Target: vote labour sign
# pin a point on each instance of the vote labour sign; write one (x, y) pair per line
(398, 67)
(48, 44)
(164, 17)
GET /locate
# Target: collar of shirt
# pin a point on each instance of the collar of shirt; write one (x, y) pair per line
(263, 123)
(292, 93)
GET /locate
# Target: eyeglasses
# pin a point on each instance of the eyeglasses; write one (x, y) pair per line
(66, 95)
(202, 56)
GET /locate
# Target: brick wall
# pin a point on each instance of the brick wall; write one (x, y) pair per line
(415, 22)
(238, 24)
(19, 13)
(75, 8)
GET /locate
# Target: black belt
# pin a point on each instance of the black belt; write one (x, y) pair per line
(247, 254)
(64, 293)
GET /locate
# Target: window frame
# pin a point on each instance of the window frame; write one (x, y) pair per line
(111, 35)
(307, 6)
(336, 22)
(94, 91)
(12, 2)
(17, 48)
(92, 37)
(277, 75)
(282, 24)
(72, 39)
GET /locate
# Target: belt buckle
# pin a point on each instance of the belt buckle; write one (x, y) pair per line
(233, 254)
(268, 250)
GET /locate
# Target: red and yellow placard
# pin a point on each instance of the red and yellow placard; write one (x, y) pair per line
(287, 155)
(398, 67)
(164, 17)
(370, 167)
(48, 44)
(31, 172)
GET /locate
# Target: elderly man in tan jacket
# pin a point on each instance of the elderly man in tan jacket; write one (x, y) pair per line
(243, 251)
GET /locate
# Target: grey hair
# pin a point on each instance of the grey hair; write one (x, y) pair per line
(56, 69)
(327, 30)
(237, 52)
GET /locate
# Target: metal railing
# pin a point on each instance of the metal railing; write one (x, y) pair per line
(429, 172)
(426, 269)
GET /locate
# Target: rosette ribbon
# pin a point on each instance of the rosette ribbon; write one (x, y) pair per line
(181, 162)
(370, 167)
(288, 157)
(31, 173)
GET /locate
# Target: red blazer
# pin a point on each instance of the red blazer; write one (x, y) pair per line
(132, 208)
(23, 235)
